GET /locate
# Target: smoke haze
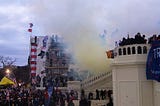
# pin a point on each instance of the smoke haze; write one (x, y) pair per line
(80, 22)
(76, 23)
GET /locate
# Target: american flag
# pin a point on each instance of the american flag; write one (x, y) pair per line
(30, 27)
(29, 30)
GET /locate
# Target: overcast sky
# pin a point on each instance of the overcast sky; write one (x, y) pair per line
(79, 22)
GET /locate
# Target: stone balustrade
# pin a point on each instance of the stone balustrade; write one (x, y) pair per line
(94, 79)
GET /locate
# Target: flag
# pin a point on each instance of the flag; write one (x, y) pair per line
(30, 25)
(110, 54)
(153, 62)
(29, 30)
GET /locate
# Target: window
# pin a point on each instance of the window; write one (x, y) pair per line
(144, 50)
(139, 50)
(124, 51)
(133, 50)
(120, 51)
(129, 50)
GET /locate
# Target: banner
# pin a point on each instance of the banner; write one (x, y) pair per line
(153, 62)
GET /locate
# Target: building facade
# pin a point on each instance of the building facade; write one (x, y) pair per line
(49, 60)
(130, 84)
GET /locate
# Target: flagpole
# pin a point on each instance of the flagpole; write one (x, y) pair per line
(30, 33)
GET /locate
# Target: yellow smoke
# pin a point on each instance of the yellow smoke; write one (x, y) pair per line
(89, 51)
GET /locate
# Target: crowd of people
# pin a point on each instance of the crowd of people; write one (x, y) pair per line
(57, 81)
(100, 95)
(138, 39)
(18, 96)
(21, 96)
(154, 37)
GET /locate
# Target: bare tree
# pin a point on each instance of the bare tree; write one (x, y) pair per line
(7, 61)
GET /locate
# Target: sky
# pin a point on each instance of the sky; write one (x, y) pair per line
(90, 27)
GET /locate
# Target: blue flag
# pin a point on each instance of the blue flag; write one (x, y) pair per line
(153, 62)
(50, 89)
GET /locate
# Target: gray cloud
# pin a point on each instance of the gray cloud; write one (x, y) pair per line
(14, 41)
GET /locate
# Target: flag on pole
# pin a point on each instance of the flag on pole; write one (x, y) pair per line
(29, 30)
(30, 25)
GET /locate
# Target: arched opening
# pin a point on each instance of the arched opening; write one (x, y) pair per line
(129, 50)
(133, 50)
(120, 51)
(144, 50)
(139, 50)
(124, 51)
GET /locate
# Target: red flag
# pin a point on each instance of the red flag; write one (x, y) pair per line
(29, 30)
(110, 54)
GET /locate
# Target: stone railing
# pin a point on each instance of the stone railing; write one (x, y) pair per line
(93, 102)
(94, 79)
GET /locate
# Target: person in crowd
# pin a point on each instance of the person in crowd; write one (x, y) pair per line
(38, 80)
(46, 98)
(97, 94)
(83, 101)
(110, 98)
(70, 103)
(90, 96)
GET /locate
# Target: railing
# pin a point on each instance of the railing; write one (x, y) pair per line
(131, 50)
(94, 79)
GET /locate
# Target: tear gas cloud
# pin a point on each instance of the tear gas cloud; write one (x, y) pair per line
(81, 21)
(77, 24)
